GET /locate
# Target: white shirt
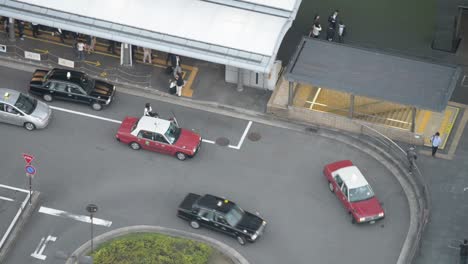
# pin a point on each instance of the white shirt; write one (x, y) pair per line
(316, 30)
(147, 111)
(341, 29)
(80, 46)
(436, 140)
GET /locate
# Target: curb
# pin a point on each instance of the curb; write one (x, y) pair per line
(223, 248)
(25, 215)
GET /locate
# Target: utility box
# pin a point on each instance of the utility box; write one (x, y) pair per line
(255, 79)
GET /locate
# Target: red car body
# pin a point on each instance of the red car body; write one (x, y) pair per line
(152, 133)
(354, 192)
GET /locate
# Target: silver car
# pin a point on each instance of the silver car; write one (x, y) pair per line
(23, 110)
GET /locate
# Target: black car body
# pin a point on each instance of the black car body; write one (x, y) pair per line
(73, 86)
(221, 215)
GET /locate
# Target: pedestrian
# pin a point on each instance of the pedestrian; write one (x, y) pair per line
(6, 22)
(435, 140)
(111, 47)
(147, 55)
(341, 31)
(176, 65)
(92, 45)
(35, 29)
(80, 46)
(332, 19)
(412, 157)
(464, 252)
(179, 83)
(60, 34)
(330, 33)
(316, 28)
(149, 111)
(21, 29)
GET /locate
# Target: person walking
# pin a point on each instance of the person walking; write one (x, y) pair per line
(35, 29)
(341, 31)
(412, 157)
(80, 46)
(149, 111)
(21, 29)
(147, 55)
(332, 19)
(436, 141)
(464, 252)
(179, 84)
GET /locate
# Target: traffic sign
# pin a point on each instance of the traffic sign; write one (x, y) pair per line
(30, 170)
(28, 158)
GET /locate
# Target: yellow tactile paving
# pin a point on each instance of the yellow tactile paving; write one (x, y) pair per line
(301, 95)
(443, 122)
(423, 121)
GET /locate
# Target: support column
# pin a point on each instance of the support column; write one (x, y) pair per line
(126, 55)
(413, 119)
(11, 29)
(290, 93)
(240, 80)
(351, 106)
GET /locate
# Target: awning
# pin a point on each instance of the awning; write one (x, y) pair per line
(373, 74)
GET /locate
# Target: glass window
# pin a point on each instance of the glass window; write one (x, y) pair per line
(344, 189)
(26, 103)
(172, 133)
(75, 90)
(220, 219)
(338, 180)
(234, 215)
(59, 87)
(206, 214)
(146, 135)
(160, 138)
(360, 194)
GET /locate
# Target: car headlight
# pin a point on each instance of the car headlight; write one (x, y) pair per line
(362, 219)
(381, 214)
(254, 236)
(194, 149)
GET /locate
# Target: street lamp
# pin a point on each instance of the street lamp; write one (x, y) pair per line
(91, 208)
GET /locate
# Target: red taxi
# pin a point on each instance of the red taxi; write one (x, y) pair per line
(354, 192)
(159, 135)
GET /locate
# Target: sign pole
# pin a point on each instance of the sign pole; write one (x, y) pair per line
(30, 187)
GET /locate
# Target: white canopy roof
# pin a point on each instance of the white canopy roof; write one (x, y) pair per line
(234, 30)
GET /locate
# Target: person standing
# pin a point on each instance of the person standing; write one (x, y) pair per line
(179, 84)
(147, 55)
(149, 111)
(412, 157)
(35, 29)
(80, 46)
(21, 29)
(464, 252)
(332, 19)
(330, 33)
(316, 28)
(436, 141)
(92, 45)
(341, 31)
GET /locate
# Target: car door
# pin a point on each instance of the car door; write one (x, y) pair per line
(206, 217)
(11, 115)
(146, 140)
(338, 189)
(56, 89)
(162, 144)
(77, 94)
(344, 197)
(222, 225)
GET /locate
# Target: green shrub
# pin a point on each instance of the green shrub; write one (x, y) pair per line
(151, 248)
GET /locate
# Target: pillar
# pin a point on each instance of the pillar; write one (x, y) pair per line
(290, 93)
(413, 119)
(240, 80)
(351, 106)
(126, 54)
(11, 30)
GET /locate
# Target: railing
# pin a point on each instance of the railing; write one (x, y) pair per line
(417, 183)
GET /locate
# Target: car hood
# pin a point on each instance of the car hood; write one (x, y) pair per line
(366, 208)
(102, 89)
(250, 222)
(42, 111)
(188, 139)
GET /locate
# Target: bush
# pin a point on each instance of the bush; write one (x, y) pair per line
(152, 248)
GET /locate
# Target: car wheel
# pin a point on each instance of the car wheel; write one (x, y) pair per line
(353, 220)
(181, 156)
(29, 126)
(330, 186)
(47, 97)
(241, 240)
(135, 146)
(194, 224)
(96, 106)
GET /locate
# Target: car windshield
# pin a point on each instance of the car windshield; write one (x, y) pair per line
(172, 133)
(360, 193)
(87, 83)
(26, 104)
(234, 215)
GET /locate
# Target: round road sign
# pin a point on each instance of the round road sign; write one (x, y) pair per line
(30, 170)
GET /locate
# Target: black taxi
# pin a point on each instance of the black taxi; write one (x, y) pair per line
(221, 215)
(72, 86)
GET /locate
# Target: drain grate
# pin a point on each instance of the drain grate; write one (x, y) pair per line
(254, 136)
(222, 141)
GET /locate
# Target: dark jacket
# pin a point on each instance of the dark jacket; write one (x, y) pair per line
(464, 250)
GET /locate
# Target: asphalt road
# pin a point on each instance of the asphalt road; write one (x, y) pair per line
(79, 162)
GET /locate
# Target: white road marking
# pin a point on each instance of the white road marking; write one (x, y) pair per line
(13, 188)
(82, 218)
(208, 141)
(6, 199)
(42, 244)
(84, 114)
(466, 188)
(243, 137)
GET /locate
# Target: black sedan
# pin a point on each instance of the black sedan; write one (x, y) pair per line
(221, 215)
(73, 86)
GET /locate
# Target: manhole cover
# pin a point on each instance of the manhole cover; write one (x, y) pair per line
(222, 141)
(254, 136)
(311, 129)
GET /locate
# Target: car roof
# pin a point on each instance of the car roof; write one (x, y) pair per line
(61, 75)
(153, 124)
(352, 177)
(8, 96)
(214, 202)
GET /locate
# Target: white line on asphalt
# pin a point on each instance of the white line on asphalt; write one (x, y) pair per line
(6, 199)
(208, 141)
(243, 137)
(36, 253)
(84, 114)
(14, 188)
(82, 218)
